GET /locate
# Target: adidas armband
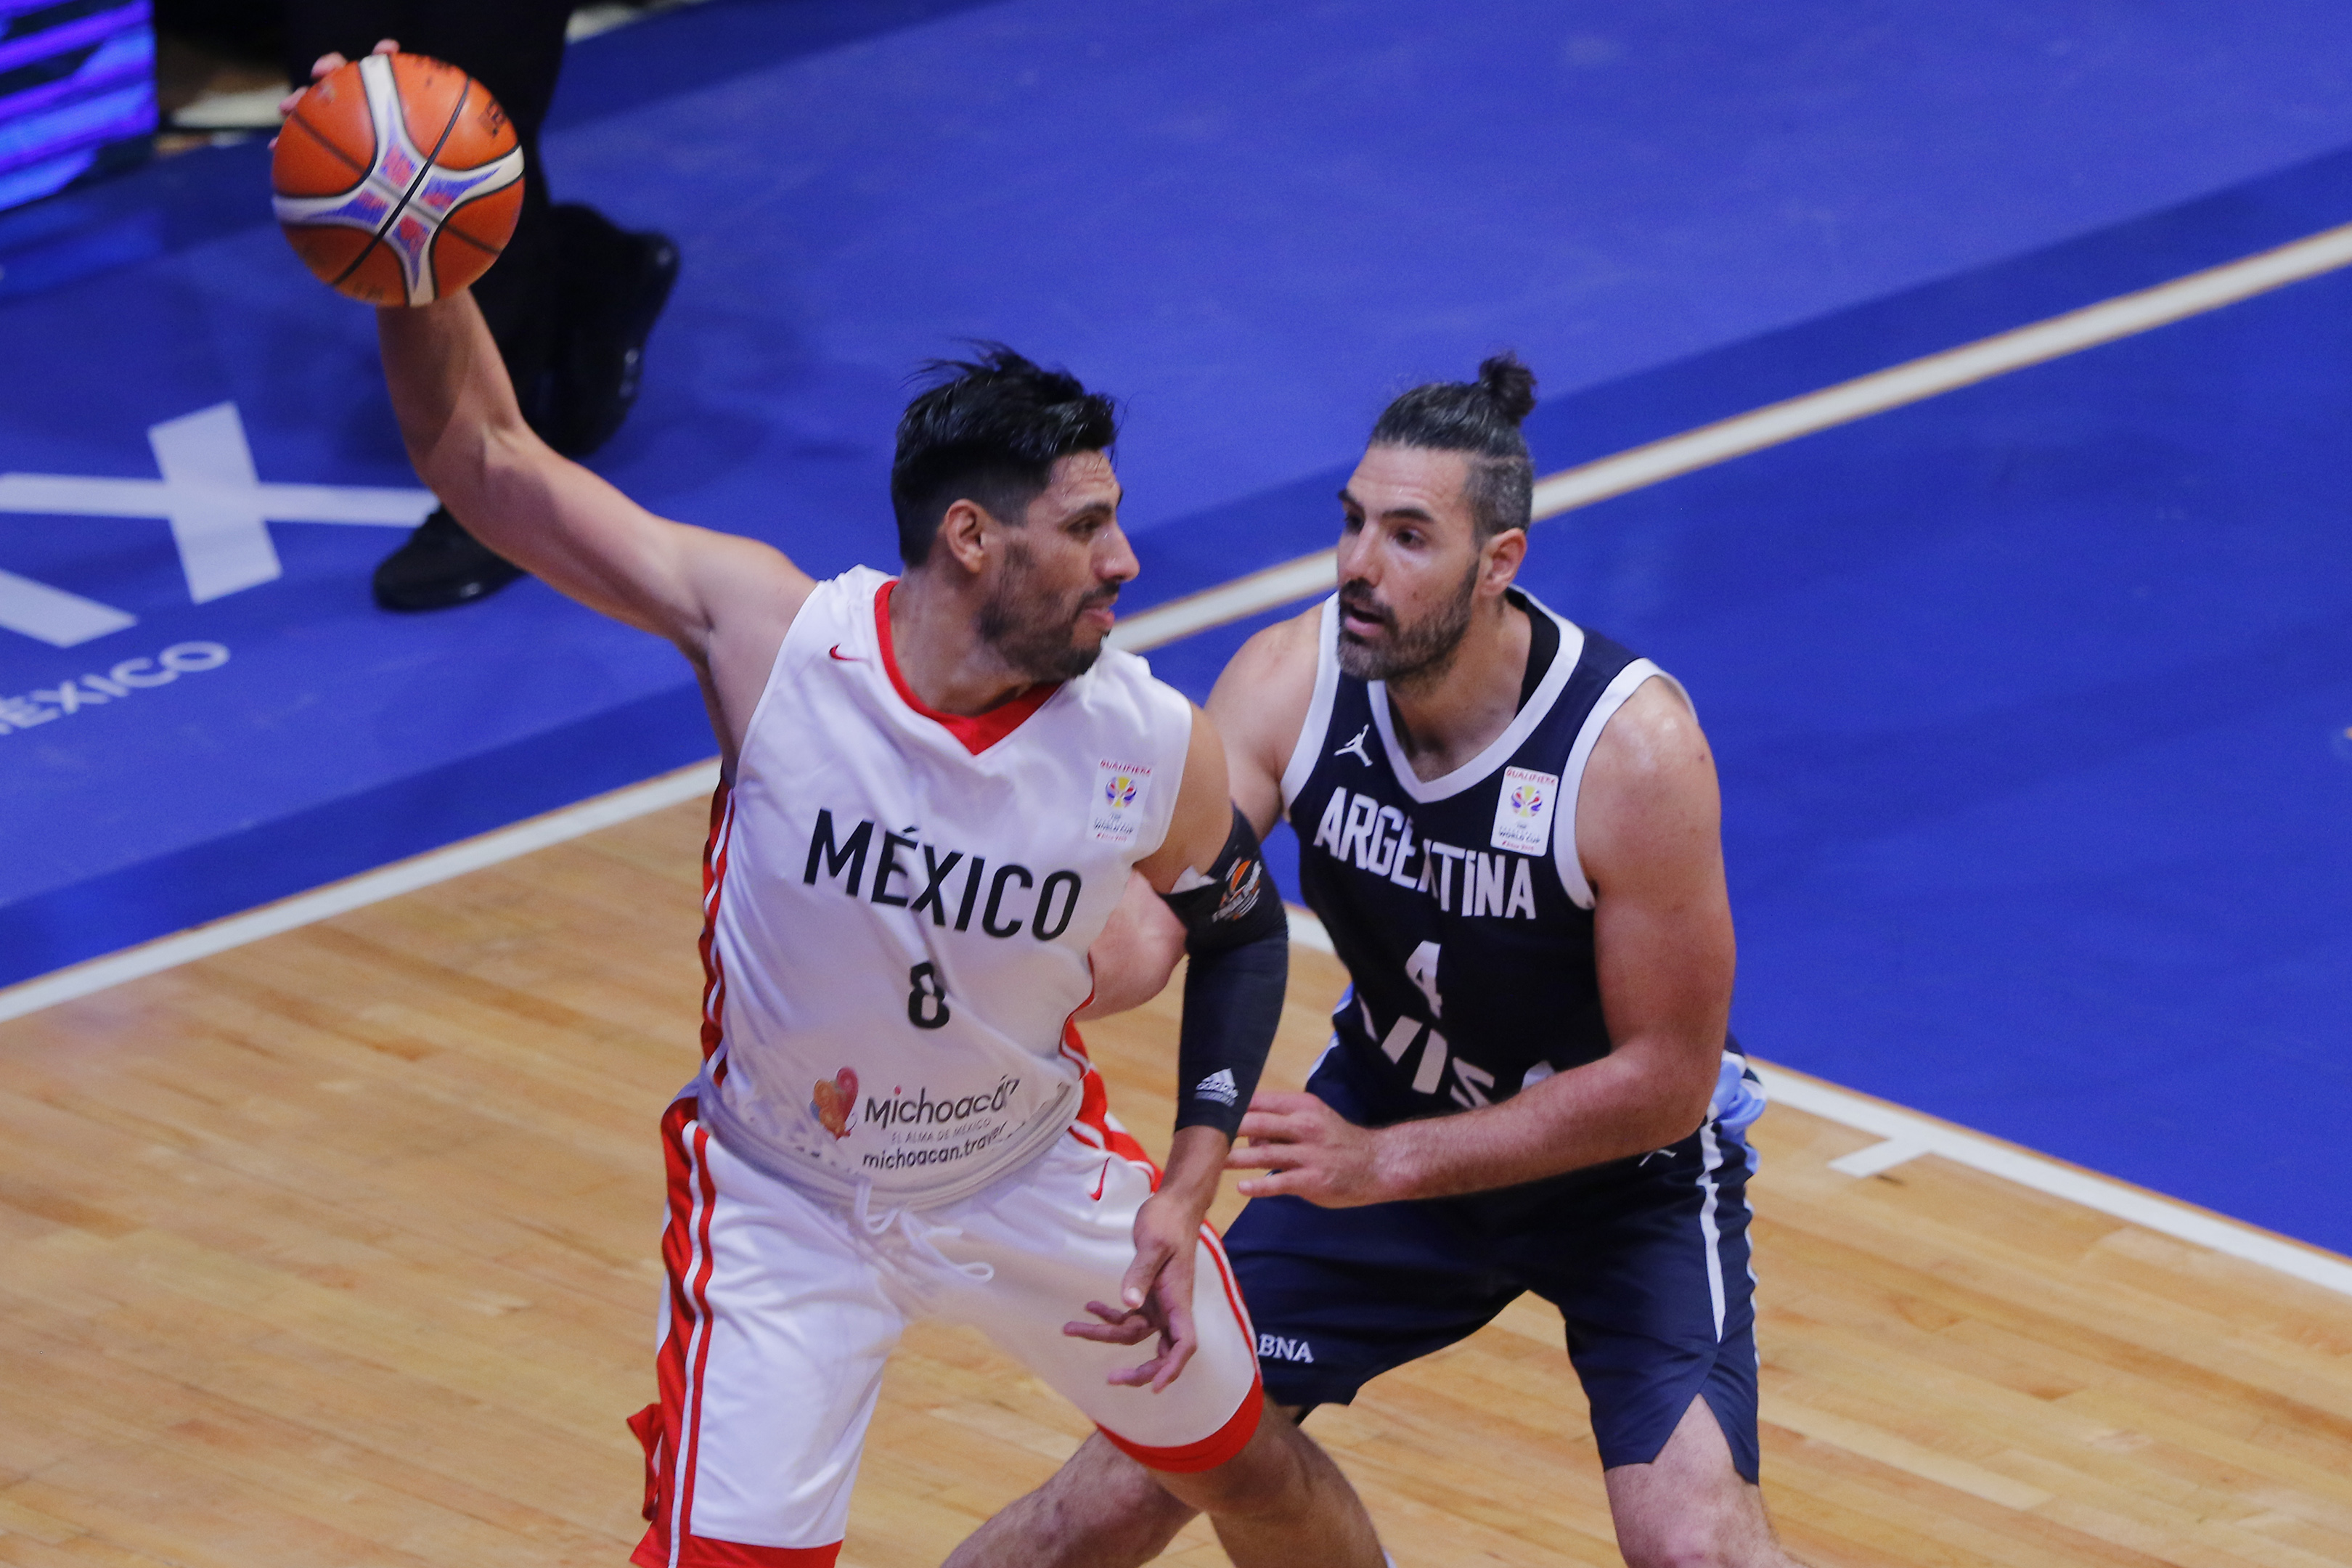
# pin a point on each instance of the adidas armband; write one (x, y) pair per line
(1239, 943)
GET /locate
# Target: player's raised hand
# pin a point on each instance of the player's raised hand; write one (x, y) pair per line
(325, 66)
(1309, 1151)
(1156, 1296)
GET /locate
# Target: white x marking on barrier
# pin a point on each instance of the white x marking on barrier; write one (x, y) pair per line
(219, 511)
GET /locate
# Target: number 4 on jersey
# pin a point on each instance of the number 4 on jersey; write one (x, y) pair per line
(1471, 1081)
(1422, 970)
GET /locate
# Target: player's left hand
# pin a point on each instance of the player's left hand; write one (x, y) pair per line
(1156, 1296)
(1310, 1151)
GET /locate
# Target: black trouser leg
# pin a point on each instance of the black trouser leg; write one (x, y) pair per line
(514, 47)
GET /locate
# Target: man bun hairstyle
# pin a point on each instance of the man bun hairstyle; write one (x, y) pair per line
(989, 430)
(1511, 386)
(1480, 418)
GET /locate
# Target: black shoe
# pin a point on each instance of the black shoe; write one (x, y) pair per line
(614, 287)
(440, 566)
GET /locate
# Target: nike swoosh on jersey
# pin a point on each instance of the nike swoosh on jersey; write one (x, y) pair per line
(845, 657)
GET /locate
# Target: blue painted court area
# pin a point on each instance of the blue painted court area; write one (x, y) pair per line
(2031, 702)
(2033, 705)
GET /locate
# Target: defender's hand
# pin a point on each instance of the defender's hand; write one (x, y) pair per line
(1311, 1152)
(1155, 1295)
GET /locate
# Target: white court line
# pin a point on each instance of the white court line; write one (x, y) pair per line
(1906, 1132)
(1876, 1159)
(1907, 1135)
(1912, 1134)
(358, 892)
(1914, 381)
(1307, 931)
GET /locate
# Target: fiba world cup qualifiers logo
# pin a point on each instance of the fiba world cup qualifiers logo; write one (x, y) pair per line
(1120, 791)
(1522, 810)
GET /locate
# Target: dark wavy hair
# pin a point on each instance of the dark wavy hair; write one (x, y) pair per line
(989, 430)
(1480, 419)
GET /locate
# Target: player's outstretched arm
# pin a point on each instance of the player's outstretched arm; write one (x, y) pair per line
(566, 526)
(1648, 831)
(1211, 875)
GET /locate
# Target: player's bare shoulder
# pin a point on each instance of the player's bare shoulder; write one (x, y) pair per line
(1649, 791)
(748, 595)
(1268, 686)
(1260, 703)
(746, 582)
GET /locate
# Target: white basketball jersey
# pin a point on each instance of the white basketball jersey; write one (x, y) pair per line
(901, 902)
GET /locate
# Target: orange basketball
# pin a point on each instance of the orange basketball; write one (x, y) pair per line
(397, 179)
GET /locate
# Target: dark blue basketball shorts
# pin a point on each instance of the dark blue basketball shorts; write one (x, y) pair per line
(1646, 1259)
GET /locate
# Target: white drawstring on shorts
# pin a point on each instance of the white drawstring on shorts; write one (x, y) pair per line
(922, 1238)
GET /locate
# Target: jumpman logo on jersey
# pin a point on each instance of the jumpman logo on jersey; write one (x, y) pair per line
(1355, 747)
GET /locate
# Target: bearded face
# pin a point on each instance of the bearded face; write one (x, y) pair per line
(1404, 651)
(1033, 623)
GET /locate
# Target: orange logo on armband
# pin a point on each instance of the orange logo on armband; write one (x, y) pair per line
(1239, 891)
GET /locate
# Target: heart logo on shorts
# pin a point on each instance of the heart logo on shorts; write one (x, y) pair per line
(836, 1101)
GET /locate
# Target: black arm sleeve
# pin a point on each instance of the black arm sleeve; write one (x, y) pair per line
(1239, 942)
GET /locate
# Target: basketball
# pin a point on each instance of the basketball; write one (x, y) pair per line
(397, 179)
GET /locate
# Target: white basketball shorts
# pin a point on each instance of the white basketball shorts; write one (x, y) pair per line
(781, 1308)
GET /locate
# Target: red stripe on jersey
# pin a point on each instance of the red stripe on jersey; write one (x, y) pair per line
(1229, 1439)
(1211, 1451)
(714, 883)
(691, 1443)
(700, 1551)
(1094, 1125)
(670, 1429)
(657, 1425)
(977, 731)
(1233, 1289)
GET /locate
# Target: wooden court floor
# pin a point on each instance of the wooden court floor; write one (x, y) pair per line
(339, 1248)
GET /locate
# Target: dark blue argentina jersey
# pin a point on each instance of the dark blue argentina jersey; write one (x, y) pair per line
(1457, 903)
